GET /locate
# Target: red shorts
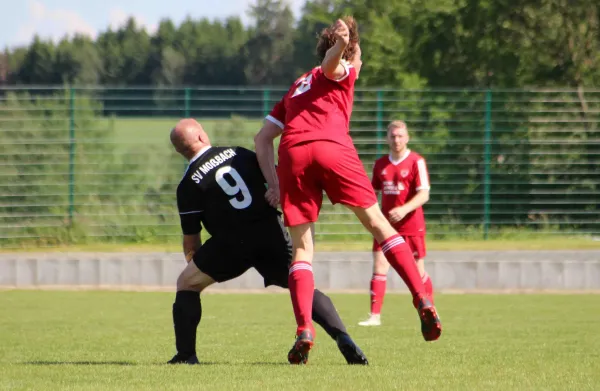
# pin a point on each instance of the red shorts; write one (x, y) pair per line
(306, 170)
(416, 244)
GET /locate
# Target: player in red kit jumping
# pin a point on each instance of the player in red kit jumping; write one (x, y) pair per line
(403, 181)
(316, 154)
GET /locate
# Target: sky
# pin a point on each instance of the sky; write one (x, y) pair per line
(20, 20)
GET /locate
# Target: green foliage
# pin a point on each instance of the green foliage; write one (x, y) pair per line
(36, 146)
(269, 51)
(542, 161)
(78, 62)
(38, 64)
(543, 149)
(406, 44)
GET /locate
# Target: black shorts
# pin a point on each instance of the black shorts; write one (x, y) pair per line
(265, 246)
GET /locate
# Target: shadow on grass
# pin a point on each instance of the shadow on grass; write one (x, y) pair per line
(274, 363)
(130, 363)
(121, 363)
(79, 363)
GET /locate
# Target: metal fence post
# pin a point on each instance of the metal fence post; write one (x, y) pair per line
(266, 100)
(186, 104)
(186, 114)
(379, 119)
(487, 150)
(71, 154)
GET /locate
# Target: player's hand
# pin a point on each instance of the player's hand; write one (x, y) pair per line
(272, 197)
(341, 32)
(397, 214)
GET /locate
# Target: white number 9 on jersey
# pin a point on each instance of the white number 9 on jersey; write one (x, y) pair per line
(239, 186)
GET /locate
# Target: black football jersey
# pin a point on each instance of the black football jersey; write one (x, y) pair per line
(224, 189)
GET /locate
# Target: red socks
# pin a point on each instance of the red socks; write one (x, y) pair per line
(378, 282)
(400, 257)
(428, 286)
(302, 286)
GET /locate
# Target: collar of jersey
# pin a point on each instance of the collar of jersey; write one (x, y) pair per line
(396, 162)
(200, 153)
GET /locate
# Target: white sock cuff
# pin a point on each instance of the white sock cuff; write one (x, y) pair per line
(300, 266)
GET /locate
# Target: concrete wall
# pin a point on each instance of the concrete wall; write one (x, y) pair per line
(463, 271)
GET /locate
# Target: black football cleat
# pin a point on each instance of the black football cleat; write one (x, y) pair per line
(180, 359)
(299, 352)
(350, 351)
(431, 326)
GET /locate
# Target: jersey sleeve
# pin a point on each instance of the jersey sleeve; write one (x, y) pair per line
(422, 176)
(350, 76)
(277, 115)
(190, 209)
(376, 180)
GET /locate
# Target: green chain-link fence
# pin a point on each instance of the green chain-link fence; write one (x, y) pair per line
(95, 164)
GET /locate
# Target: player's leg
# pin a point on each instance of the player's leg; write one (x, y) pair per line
(302, 237)
(347, 183)
(417, 245)
(377, 287)
(301, 285)
(395, 249)
(426, 279)
(273, 260)
(187, 312)
(400, 257)
(379, 281)
(285, 262)
(301, 197)
(325, 314)
(215, 261)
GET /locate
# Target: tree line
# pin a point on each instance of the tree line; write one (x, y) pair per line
(406, 44)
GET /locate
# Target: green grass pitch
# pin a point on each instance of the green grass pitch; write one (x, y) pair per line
(120, 340)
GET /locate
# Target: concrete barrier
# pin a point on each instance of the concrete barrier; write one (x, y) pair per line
(334, 271)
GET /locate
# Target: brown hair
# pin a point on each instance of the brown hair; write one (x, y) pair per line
(327, 39)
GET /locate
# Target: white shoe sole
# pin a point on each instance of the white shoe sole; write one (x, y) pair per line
(369, 324)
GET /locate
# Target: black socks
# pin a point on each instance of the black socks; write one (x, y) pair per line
(187, 312)
(326, 316)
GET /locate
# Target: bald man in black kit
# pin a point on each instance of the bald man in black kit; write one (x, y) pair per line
(223, 189)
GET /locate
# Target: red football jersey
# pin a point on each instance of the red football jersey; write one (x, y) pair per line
(399, 181)
(316, 108)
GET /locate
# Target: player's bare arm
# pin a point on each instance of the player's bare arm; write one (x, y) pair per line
(265, 154)
(191, 244)
(331, 65)
(420, 199)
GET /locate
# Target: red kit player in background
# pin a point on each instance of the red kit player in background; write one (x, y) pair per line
(403, 180)
(316, 154)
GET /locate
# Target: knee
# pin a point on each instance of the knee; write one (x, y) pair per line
(183, 282)
(375, 222)
(188, 281)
